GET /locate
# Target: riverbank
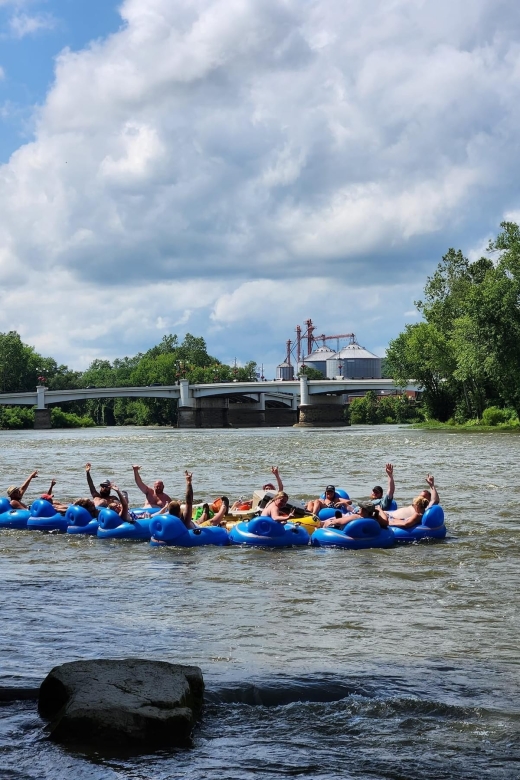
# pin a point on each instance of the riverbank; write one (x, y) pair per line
(472, 426)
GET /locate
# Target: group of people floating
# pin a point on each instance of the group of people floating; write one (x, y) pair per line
(275, 505)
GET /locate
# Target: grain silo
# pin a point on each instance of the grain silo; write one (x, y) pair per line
(318, 359)
(353, 362)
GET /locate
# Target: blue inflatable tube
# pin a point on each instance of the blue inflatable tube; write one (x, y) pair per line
(360, 534)
(45, 518)
(265, 532)
(5, 505)
(112, 527)
(142, 511)
(170, 531)
(339, 492)
(80, 521)
(15, 518)
(431, 527)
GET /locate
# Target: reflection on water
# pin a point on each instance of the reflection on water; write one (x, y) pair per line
(404, 658)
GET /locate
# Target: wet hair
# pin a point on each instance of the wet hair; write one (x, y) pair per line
(87, 504)
(377, 489)
(174, 508)
(420, 504)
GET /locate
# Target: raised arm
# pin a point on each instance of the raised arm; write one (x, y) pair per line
(53, 482)
(27, 482)
(435, 496)
(188, 509)
(276, 473)
(90, 482)
(124, 502)
(139, 482)
(391, 484)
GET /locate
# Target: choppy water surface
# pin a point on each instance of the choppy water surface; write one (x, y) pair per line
(397, 663)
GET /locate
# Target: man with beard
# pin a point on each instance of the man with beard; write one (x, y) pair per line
(102, 496)
(155, 496)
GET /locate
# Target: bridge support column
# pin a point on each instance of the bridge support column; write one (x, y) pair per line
(247, 415)
(203, 413)
(42, 419)
(42, 415)
(322, 412)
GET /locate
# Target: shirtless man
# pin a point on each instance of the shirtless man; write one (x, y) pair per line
(155, 496)
(276, 509)
(102, 496)
(332, 499)
(174, 507)
(15, 494)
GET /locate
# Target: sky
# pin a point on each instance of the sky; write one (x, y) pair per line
(231, 168)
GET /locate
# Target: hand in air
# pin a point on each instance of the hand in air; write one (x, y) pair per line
(188, 475)
(87, 467)
(274, 470)
(136, 468)
(34, 474)
(389, 469)
(430, 480)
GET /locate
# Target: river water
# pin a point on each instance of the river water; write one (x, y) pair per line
(399, 663)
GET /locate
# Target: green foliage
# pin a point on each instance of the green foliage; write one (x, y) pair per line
(466, 354)
(373, 409)
(310, 372)
(61, 419)
(16, 417)
(495, 416)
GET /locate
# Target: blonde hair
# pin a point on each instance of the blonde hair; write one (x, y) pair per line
(420, 504)
(280, 494)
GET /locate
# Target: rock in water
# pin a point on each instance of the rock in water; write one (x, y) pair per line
(128, 701)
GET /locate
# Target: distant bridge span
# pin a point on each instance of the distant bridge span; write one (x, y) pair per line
(196, 399)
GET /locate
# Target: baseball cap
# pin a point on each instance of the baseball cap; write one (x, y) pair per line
(47, 496)
(330, 487)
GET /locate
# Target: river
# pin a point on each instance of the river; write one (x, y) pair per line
(319, 663)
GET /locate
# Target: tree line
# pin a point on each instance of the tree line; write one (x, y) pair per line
(22, 368)
(466, 351)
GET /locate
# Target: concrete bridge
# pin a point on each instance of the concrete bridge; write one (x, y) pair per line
(313, 403)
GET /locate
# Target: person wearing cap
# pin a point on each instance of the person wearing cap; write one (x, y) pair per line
(15, 494)
(102, 496)
(366, 510)
(155, 496)
(377, 497)
(332, 499)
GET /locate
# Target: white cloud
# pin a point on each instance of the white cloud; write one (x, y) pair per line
(270, 154)
(22, 24)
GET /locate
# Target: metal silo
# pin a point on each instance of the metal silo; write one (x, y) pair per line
(285, 372)
(355, 362)
(318, 359)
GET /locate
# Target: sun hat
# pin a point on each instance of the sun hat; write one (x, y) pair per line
(12, 489)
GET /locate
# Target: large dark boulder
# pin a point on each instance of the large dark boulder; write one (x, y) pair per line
(115, 702)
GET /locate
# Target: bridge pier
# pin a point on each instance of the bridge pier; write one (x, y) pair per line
(319, 411)
(42, 419)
